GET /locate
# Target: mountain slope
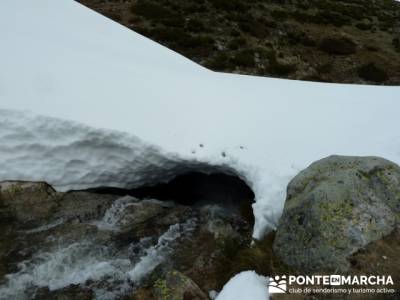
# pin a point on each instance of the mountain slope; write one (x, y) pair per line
(355, 41)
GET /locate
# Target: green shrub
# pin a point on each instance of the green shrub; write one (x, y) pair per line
(195, 8)
(237, 43)
(235, 32)
(135, 20)
(244, 58)
(302, 17)
(277, 68)
(254, 28)
(239, 16)
(371, 72)
(324, 68)
(202, 40)
(195, 25)
(387, 23)
(328, 17)
(338, 45)
(174, 35)
(279, 15)
(268, 22)
(364, 26)
(173, 22)
(115, 16)
(229, 5)
(152, 10)
(314, 77)
(372, 47)
(142, 30)
(396, 43)
(282, 69)
(299, 37)
(219, 62)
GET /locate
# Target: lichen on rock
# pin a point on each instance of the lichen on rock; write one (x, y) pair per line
(335, 207)
(177, 286)
(28, 201)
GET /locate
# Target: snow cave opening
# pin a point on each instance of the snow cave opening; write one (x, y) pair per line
(197, 189)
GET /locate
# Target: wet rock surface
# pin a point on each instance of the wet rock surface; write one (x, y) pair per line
(177, 286)
(27, 201)
(83, 245)
(336, 207)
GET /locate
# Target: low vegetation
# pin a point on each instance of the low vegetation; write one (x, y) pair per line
(324, 40)
(338, 45)
(372, 72)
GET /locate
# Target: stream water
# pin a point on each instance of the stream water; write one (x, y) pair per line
(109, 273)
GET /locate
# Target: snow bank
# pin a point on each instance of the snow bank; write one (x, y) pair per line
(71, 156)
(245, 285)
(127, 111)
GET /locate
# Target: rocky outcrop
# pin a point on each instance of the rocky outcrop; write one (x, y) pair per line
(335, 207)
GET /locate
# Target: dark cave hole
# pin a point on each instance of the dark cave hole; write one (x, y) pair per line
(196, 189)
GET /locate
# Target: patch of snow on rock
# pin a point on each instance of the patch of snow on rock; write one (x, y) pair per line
(245, 285)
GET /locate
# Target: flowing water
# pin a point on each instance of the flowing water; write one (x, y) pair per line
(109, 273)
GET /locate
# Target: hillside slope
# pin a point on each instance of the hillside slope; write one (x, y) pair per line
(355, 41)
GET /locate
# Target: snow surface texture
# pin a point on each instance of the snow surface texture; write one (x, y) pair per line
(74, 156)
(245, 285)
(127, 111)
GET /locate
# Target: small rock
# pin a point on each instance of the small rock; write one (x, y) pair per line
(176, 286)
(71, 292)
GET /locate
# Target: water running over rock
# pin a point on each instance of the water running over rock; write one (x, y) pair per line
(104, 246)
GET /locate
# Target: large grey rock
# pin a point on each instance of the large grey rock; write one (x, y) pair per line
(335, 207)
